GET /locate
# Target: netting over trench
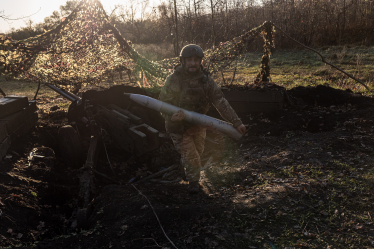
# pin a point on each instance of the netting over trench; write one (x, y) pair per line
(85, 48)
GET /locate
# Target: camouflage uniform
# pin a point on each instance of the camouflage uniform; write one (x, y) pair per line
(193, 93)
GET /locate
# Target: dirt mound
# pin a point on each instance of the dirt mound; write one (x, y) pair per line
(258, 86)
(326, 96)
(311, 109)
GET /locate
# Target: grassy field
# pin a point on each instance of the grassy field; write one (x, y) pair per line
(28, 89)
(290, 68)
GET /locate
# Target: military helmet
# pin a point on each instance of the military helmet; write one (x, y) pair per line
(191, 50)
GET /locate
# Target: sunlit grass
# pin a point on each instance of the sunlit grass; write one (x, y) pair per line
(22, 88)
(291, 68)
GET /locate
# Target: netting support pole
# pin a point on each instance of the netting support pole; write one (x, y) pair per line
(223, 78)
(264, 74)
(37, 91)
(2, 93)
(233, 77)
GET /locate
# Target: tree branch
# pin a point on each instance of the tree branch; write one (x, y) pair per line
(19, 18)
(323, 59)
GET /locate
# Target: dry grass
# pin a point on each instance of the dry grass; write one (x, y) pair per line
(291, 68)
(22, 88)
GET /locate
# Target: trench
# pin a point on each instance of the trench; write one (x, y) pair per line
(53, 212)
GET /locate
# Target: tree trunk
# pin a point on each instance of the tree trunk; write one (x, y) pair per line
(212, 18)
(176, 28)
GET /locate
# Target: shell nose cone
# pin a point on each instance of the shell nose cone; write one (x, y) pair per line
(146, 101)
(140, 99)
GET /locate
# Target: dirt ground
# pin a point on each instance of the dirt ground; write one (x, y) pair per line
(300, 178)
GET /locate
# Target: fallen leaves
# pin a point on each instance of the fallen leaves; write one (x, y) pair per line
(359, 226)
(309, 235)
(324, 213)
(219, 236)
(18, 235)
(40, 226)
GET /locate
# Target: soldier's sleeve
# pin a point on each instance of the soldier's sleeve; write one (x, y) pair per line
(169, 93)
(219, 101)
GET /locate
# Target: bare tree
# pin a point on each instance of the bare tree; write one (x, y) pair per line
(69, 6)
(8, 18)
(212, 6)
(176, 27)
(208, 22)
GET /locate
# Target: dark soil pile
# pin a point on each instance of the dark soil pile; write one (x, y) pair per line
(257, 86)
(311, 109)
(326, 96)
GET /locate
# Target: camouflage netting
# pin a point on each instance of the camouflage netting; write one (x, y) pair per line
(86, 49)
(225, 53)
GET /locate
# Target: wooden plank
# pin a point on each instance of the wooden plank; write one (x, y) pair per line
(253, 96)
(15, 125)
(4, 146)
(25, 126)
(3, 131)
(15, 120)
(32, 106)
(12, 104)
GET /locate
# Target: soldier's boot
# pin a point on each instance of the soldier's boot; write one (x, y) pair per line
(182, 172)
(193, 187)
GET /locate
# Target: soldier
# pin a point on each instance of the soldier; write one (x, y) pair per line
(191, 88)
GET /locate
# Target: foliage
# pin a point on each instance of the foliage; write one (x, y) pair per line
(222, 56)
(83, 48)
(264, 75)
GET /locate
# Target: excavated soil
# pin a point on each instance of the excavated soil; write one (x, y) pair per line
(39, 198)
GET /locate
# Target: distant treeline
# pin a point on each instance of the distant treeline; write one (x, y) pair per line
(208, 22)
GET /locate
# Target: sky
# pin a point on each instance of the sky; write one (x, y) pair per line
(21, 8)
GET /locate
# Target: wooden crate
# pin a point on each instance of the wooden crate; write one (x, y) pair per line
(4, 146)
(16, 124)
(15, 120)
(3, 131)
(25, 126)
(11, 104)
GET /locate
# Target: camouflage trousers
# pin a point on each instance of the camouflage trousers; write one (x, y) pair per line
(190, 145)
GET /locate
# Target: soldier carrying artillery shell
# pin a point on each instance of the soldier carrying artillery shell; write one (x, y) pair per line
(191, 88)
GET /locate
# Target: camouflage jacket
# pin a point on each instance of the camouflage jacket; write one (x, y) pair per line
(172, 91)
